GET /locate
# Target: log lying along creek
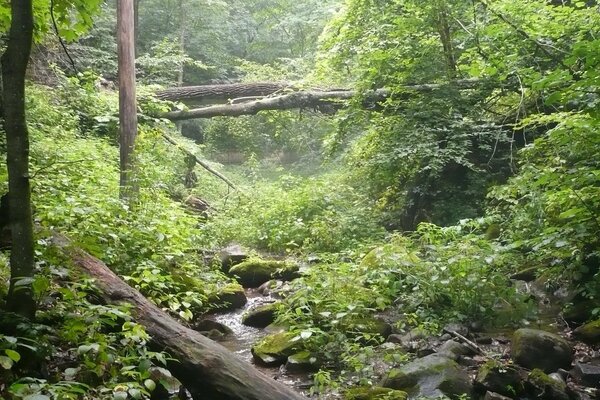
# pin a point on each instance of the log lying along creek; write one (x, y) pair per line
(207, 369)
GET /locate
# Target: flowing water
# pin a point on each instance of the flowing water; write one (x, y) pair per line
(243, 337)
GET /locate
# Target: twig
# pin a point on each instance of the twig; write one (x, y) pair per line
(520, 31)
(201, 162)
(60, 39)
(472, 345)
(45, 167)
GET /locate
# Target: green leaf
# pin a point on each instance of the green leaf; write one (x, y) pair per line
(150, 384)
(13, 355)
(6, 362)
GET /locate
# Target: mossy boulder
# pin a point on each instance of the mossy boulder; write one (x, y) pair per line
(261, 316)
(274, 350)
(254, 272)
(579, 311)
(229, 297)
(533, 348)
(430, 376)
(500, 378)
(588, 333)
(543, 387)
(374, 393)
(302, 361)
(371, 326)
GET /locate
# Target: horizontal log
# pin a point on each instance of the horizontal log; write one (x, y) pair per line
(285, 102)
(207, 369)
(315, 99)
(214, 94)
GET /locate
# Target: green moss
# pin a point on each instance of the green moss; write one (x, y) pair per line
(589, 333)
(254, 272)
(374, 393)
(229, 297)
(260, 316)
(278, 344)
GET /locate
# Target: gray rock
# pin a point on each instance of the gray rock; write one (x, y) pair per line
(454, 350)
(494, 376)
(532, 348)
(431, 376)
(261, 316)
(587, 374)
(495, 396)
(206, 325)
(231, 255)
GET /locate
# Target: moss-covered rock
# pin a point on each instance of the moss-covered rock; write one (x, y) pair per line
(275, 349)
(579, 311)
(374, 393)
(255, 272)
(588, 333)
(500, 378)
(302, 361)
(533, 348)
(228, 298)
(261, 316)
(430, 376)
(543, 387)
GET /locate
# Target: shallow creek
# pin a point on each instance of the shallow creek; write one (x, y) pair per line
(243, 337)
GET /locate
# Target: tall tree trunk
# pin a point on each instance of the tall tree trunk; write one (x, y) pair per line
(127, 103)
(136, 25)
(14, 65)
(182, 23)
(446, 38)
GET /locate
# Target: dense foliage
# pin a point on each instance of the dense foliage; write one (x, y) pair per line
(415, 210)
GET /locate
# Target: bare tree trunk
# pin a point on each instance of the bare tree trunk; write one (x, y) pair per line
(446, 39)
(182, 23)
(127, 103)
(206, 369)
(14, 65)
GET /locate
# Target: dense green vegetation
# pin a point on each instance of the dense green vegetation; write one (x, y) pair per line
(415, 210)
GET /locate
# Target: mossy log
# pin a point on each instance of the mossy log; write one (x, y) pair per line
(205, 368)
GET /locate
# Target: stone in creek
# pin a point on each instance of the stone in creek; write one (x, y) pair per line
(254, 272)
(303, 361)
(274, 349)
(588, 333)
(261, 316)
(231, 255)
(587, 374)
(206, 325)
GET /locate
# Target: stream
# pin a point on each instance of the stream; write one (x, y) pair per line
(243, 337)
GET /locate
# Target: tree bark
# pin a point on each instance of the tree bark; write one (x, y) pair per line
(213, 94)
(14, 65)
(127, 103)
(205, 368)
(316, 100)
(322, 100)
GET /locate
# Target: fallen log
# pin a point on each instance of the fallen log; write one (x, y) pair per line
(205, 368)
(213, 94)
(315, 99)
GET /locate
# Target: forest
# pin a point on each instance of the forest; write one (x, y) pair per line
(279, 199)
